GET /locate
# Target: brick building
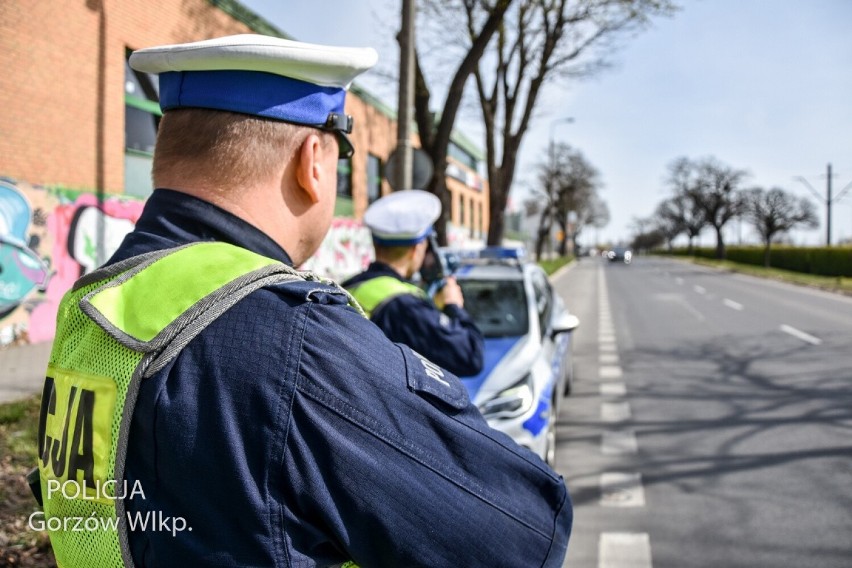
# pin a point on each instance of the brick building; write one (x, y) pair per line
(77, 134)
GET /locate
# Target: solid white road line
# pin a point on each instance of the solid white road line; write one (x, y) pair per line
(613, 389)
(800, 334)
(618, 442)
(609, 372)
(608, 346)
(732, 304)
(624, 550)
(615, 411)
(620, 489)
(606, 337)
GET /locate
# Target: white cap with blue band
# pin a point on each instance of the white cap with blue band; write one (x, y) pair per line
(259, 75)
(402, 218)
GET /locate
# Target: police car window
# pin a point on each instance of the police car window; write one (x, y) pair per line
(499, 308)
(542, 299)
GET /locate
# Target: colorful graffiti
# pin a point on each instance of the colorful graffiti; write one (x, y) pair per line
(346, 250)
(21, 269)
(48, 239)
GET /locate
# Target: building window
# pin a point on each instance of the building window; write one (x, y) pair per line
(344, 177)
(141, 120)
(374, 178)
(455, 151)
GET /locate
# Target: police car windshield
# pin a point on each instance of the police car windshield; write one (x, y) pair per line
(499, 308)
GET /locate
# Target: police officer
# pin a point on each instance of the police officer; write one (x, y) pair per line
(441, 330)
(208, 405)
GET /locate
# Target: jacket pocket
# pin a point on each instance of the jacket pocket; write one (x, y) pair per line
(432, 382)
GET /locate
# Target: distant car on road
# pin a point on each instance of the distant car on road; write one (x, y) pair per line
(527, 333)
(620, 254)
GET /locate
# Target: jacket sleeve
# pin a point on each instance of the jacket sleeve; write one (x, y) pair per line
(448, 338)
(387, 463)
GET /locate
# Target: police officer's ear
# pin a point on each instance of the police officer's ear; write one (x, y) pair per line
(311, 167)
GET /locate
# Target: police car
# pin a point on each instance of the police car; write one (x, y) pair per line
(527, 333)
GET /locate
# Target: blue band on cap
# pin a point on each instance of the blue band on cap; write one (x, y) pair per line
(401, 241)
(251, 92)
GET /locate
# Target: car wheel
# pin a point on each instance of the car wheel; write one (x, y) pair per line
(550, 438)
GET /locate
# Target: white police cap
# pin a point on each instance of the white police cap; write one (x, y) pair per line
(402, 218)
(259, 75)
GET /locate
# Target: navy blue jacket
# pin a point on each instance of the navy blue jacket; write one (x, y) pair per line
(448, 338)
(291, 432)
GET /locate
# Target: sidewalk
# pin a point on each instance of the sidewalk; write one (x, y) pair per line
(22, 370)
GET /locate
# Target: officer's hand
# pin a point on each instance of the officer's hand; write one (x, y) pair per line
(450, 294)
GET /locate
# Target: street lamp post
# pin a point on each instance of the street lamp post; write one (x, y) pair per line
(551, 149)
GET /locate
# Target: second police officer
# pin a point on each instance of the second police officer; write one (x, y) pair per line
(439, 329)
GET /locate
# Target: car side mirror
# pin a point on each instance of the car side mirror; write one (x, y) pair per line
(565, 323)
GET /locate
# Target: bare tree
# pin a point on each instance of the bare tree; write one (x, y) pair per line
(537, 41)
(435, 129)
(719, 194)
(578, 185)
(776, 211)
(595, 214)
(683, 209)
(568, 195)
(648, 240)
(669, 222)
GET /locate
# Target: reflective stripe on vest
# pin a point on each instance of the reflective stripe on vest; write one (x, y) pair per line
(116, 327)
(374, 293)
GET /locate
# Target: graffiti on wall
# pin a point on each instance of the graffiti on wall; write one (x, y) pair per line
(22, 270)
(48, 239)
(346, 250)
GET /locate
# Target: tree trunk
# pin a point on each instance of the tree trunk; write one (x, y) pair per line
(766, 253)
(720, 244)
(438, 186)
(543, 234)
(563, 242)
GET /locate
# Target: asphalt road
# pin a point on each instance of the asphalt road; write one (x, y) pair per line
(711, 420)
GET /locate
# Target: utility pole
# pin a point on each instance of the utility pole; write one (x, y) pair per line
(828, 208)
(828, 199)
(406, 94)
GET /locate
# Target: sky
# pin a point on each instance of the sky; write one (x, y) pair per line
(761, 85)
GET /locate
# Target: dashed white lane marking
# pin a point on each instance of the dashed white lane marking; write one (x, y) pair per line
(624, 550)
(620, 489)
(699, 289)
(732, 304)
(619, 442)
(679, 281)
(688, 307)
(800, 334)
(609, 372)
(618, 550)
(608, 359)
(613, 389)
(615, 411)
